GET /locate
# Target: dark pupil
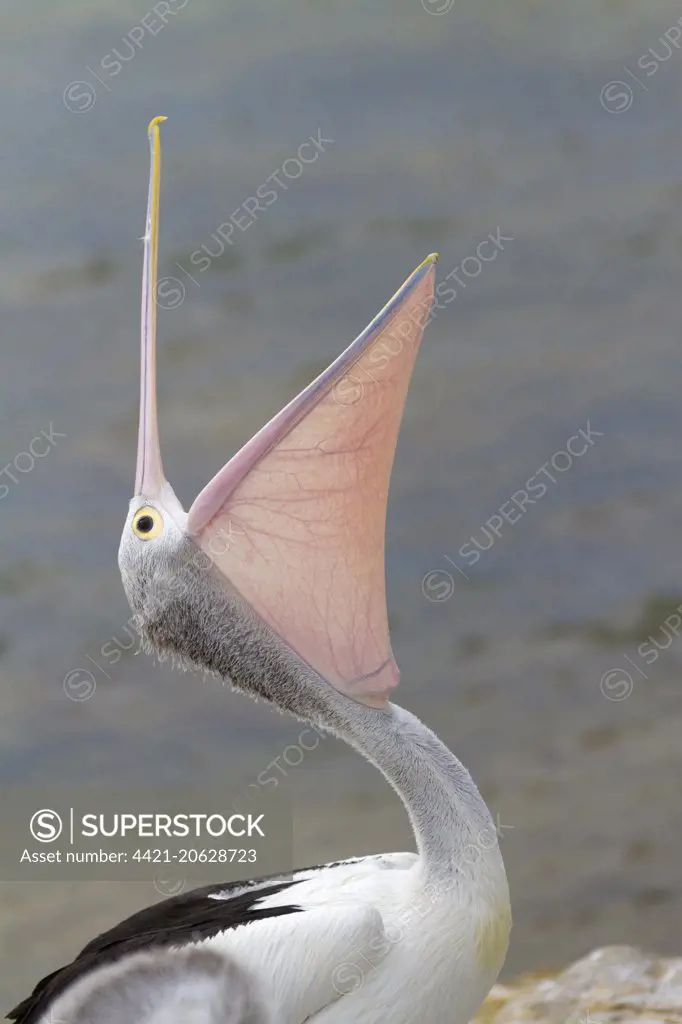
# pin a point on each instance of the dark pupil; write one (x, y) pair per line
(145, 524)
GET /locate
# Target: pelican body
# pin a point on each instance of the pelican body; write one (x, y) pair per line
(274, 581)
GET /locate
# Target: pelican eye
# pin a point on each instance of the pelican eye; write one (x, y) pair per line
(148, 523)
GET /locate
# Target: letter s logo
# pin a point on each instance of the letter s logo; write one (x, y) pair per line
(46, 826)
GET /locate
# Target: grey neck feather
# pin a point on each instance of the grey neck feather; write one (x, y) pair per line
(453, 827)
(188, 613)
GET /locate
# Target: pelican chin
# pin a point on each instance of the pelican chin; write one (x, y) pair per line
(274, 579)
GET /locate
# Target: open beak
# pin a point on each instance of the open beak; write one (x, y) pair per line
(149, 478)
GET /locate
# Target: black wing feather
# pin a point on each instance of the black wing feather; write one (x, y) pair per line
(189, 917)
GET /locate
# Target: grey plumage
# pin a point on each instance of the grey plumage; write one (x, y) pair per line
(188, 986)
(187, 612)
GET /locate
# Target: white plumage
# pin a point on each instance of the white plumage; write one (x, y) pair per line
(374, 935)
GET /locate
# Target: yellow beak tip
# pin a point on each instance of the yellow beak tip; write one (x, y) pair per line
(154, 122)
(430, 260)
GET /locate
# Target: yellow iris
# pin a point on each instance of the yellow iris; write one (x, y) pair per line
(148, 523)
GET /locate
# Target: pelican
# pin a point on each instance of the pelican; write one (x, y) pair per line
(274, 581)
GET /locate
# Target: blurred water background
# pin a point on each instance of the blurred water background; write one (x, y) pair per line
(448, 124)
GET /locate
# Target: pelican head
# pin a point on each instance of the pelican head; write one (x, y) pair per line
(280, 558)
